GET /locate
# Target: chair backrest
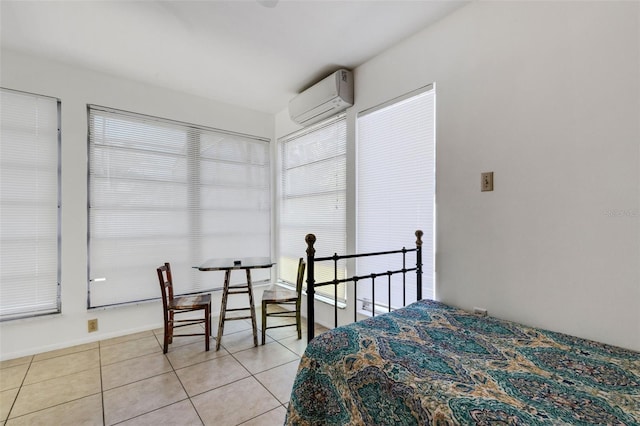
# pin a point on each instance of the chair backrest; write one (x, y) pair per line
(300, 277)
(166, 284)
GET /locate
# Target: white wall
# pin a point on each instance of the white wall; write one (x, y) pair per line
(547, 96)
(77, 88)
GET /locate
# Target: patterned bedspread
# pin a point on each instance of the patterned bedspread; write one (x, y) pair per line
(429, 363)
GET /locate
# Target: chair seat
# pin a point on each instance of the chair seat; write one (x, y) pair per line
(190, 302)
(276, 293)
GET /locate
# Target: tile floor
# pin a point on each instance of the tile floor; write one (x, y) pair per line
(129, 381)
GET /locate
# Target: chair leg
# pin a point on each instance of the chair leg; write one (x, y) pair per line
(207, 326)
(264, 320)
(165, 347)
(170, 327)
(298, 322)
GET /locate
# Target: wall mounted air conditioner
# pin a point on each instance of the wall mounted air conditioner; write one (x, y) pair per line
(329, 96)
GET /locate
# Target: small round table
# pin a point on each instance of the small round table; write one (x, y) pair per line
(228, 265)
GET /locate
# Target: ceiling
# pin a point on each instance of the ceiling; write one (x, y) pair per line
(249, 53)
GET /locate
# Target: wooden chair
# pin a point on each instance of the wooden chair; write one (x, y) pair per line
(173, 306)
(277, 295)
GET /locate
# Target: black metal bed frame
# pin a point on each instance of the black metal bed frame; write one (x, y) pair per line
(311, 284)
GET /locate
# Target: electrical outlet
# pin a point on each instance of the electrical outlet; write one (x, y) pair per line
(486, 181)
(480, 311)
(92, 325)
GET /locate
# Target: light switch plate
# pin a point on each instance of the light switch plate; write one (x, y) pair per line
(486, 181)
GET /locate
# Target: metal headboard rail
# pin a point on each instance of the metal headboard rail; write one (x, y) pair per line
(311, 284)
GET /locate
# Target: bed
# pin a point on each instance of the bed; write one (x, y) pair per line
(429, 363)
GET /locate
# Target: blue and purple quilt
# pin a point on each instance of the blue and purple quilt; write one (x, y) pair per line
(431, 364)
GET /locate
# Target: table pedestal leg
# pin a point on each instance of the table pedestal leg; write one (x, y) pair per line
(228, 289)
(253, 309)
(223, 308)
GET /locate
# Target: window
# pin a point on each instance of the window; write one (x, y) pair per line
(30, 205)
(163, 191)
(313, 198)
(396, 189)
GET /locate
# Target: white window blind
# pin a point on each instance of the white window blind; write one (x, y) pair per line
(396, 191)
(163, 191)
(313, 199)
(30, 204)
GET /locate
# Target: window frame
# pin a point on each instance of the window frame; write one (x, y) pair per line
(367, 305)
(55, 302)
(339, 120)
(198, 143)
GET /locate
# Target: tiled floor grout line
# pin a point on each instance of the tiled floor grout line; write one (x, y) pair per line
(13, 404)
(255, 417)
(22, 386)
(190, 397)
(160, 344)
(285, 356)
(182, 384)
(104, 419)
(173, 370)
(261, 384)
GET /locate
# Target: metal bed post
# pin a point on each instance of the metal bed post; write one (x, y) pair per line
(419, 235)
(404, 276)
(373, 295)
(310, 239)
(335, 289)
